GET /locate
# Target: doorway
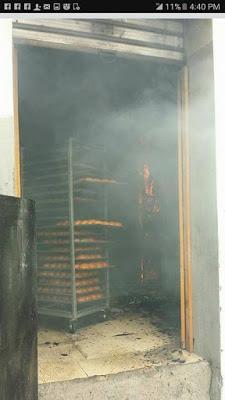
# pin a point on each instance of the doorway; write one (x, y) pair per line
(128, 108)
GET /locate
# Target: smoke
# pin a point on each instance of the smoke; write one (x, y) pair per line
(127, 105)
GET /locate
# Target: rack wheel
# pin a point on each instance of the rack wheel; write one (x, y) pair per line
(104, 315)
(72, 326)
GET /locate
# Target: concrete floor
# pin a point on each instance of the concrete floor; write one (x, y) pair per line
(128, 341)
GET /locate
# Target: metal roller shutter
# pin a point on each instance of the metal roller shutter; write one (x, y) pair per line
(158, 39)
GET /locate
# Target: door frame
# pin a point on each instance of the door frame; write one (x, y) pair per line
(184, 212)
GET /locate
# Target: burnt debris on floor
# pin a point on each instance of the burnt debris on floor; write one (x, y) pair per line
(129, 339)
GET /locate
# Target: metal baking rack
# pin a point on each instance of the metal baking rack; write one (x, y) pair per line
(69, 185)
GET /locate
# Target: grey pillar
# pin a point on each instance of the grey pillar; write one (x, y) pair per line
(18, 320)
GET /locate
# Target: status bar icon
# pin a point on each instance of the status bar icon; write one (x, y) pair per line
(7, 6)
(159, 6)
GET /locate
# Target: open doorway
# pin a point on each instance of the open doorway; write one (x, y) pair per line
(99, 155)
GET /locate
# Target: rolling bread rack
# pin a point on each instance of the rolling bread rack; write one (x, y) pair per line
(69, 184)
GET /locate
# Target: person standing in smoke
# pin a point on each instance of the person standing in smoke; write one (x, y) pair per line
(149, 209)
(150, 201)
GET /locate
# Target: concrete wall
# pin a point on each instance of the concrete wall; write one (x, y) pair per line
(205, 270)
(7, 156)
(181, 382)
(219, 79)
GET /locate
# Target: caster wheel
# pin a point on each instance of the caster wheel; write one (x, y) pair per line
(72, 327)
(104, 315)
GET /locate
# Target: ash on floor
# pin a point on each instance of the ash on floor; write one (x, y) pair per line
(127, 341)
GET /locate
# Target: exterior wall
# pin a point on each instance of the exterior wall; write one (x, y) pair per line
(219, 68)
(7, 156)
(7, 159)
(205, 269)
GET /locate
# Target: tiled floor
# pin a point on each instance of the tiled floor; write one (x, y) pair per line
(127, 341)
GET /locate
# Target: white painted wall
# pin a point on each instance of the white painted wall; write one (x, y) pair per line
(219, 78)
(203, 197)
(7, 152)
